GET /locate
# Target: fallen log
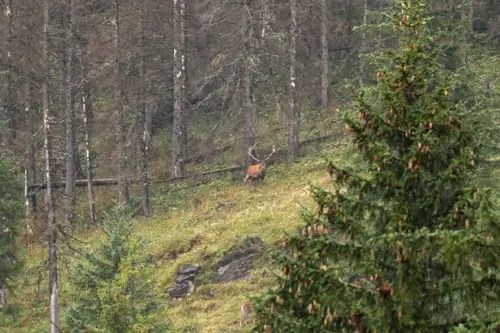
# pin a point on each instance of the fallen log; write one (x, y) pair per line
(78, 183)
(113, 181)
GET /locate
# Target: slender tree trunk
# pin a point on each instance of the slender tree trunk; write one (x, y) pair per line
(324, 55)
(87, 116)
(29, 172)
(177, 142)
(143, 135)
(363, 46)
(118, 107)
(69, 200)
(293, 116)
(9, 113)
(265, 18)
(49, 195)
(468, 19)
(246, 35)
(2, 295)
(185, 136)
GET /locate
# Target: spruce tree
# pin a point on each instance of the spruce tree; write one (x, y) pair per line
(113, 288)
(11, 212)
(411, 244)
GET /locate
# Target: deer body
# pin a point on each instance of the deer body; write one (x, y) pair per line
(257, 171)
(246, 309)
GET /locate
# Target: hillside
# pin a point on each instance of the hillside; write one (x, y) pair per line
(207, 220)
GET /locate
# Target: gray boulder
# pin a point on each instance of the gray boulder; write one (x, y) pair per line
(238, 263)
(185, 281)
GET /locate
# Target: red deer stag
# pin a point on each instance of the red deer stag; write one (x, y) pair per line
(257, 171)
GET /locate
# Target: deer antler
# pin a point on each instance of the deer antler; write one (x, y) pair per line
(250, 153)
(274, 150)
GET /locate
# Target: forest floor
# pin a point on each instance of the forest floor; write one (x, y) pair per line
(208, 219)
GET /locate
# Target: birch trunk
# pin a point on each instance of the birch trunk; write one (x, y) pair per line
(324, 55)
(118, 107)
(143, 135)
(293, 116)
(363, 45)
(9, 114)
(29, 171)
(69, 199)
(87, 116)
(246, 35)
(49, 196)
(265, 18)
(184, 128)
(177, 141)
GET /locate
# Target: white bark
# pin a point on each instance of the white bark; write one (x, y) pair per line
(49, 195)
(363, 45)
(293, 116)
(324, 55)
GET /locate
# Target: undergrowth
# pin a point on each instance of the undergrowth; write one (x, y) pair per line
(193, 222)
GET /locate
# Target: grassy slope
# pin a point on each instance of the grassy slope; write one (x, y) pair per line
(212, 217)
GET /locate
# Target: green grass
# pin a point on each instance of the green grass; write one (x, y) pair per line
(198, 224)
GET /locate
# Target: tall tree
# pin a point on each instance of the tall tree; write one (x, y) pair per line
(8, 107)
(118, 107)
(87, 125)
(184, 126)
(362, 48)
(177, 141)
(143, 135)
(293, 114)
(69, 200)
(29, 172)
(49, 194)
(324, 55)
(246, 78)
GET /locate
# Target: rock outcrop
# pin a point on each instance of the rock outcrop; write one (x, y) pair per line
(185, 281)
(237, 264)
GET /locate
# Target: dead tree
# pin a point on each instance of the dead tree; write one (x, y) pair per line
(177, 141)
(69, 199)
(363, 45)
(8, 107)
(246, 78)
(87, 128)
(29, 169)
(143, 135)
(118, 107)
(324, 55)
(49, 194)
(293, 115)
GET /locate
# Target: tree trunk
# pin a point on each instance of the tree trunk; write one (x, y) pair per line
(177, 142)
(143, 135)
(265, 18)
(87, 116)
(9, 113)
(246, 35)
(69, 199)
(29, 172)
(363, 45)
(293, 116)
(2, 295)
(324, 55)
(118, 107)
(184, 127)
(49, 195)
